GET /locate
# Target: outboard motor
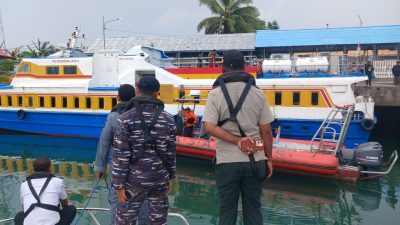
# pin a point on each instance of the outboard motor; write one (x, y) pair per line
(368, 155)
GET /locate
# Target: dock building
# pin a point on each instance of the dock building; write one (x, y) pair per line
(349, 46)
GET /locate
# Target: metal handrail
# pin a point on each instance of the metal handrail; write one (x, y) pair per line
(90, 211)
(393, 158)
(6, 220)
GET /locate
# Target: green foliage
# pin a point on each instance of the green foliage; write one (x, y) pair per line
(6, 65)
(4, 77)
(231, 16)
(15, 53)
(40, 49)
(273, 25)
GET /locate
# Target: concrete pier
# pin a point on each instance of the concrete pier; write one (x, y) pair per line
(383, 91)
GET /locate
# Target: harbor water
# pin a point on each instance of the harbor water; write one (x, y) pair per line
(287, 199)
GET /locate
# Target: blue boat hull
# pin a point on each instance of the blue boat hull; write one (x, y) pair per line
(89, 125)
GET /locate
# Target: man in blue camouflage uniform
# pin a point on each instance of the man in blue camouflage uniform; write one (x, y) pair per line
(103, 155)
(144, 156)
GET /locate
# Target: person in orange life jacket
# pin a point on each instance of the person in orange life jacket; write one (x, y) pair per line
(41, 195)
(190, 120)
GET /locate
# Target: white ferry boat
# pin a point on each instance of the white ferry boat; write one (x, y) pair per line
(71, 96)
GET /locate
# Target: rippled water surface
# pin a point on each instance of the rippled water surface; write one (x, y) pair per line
(287, 199)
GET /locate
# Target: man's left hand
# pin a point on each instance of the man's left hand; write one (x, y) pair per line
(270, 168)
(121, 195)
(169, 187)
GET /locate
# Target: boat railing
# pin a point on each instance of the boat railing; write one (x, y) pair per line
(338, 64)
(278, 134)
(96, 221)
(203, 62)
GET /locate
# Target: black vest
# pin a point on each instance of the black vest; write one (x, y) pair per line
(38, 175)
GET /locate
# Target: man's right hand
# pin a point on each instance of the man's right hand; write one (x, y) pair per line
(121, 195)
(245, 149)
(99, 175)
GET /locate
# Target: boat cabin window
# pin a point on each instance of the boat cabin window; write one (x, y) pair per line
(278, 98)
(41, 101)
(314, 98)
(19, 100)
(296, 98)
(101, 103)
(64, 102)
(53, 101)
(30, 101)
(9, 100)
(113, 102)
(52, 70)
(88, 103)
(24, 68)
(76, 102)
(140, 74)
(70, 69)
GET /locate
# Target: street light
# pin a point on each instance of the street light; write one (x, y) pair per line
(104, 29)
(361, 22)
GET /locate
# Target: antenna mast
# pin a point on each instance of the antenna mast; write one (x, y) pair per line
(3, 41)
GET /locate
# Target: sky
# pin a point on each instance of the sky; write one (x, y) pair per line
(54, 20)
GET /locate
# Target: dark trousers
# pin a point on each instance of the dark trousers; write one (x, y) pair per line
(67, 215)
(238, 178)
(369, 79)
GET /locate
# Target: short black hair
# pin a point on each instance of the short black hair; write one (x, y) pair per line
(126, 92)
(42, 164)
(148, 85)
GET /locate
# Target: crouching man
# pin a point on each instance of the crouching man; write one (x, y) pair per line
(41, 195)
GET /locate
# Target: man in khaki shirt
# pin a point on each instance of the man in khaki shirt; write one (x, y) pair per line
(235, 172)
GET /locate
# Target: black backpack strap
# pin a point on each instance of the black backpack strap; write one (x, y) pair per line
(147, 127)
(233, 111)
(37, 197)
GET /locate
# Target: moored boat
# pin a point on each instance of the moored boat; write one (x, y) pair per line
(323, 156)
(71, 95)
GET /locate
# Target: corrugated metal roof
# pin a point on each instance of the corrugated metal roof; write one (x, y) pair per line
(221, 42)
(331, 36)
(5, 54)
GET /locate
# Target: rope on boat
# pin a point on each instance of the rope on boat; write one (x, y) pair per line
(87, 201)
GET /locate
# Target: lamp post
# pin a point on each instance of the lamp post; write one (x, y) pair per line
(104, 29)
(361, 22)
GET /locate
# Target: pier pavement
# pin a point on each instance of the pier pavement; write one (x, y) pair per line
(383, 91)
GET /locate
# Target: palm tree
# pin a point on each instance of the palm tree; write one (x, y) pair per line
(41, 48)
(16, 52)
(231, 17)
(273, 25)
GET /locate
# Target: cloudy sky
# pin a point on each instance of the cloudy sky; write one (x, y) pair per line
(54, 20)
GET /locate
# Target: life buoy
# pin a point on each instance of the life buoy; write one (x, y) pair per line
(367, 124)
(21, 114)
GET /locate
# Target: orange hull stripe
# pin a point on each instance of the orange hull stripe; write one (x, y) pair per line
(53, 76)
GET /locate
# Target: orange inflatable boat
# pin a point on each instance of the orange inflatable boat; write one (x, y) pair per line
(285, 154)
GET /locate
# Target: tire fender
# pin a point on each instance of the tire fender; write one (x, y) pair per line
(367, 124)
(21, 114)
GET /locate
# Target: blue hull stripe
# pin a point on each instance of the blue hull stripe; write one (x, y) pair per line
(86, 125)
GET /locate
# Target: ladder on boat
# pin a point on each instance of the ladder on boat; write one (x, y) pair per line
(331, 134)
